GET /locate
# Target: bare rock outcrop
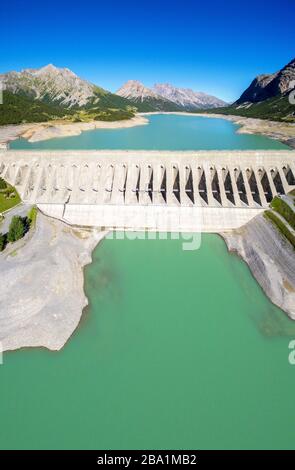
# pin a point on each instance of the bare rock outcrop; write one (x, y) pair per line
(271, 259)
(41, 285)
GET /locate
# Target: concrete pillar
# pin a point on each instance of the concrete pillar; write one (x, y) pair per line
(43, 185)
(88, 175)
(96, 177)
(157, 181)
(96, 183)
(60, 177)
(23, 190)
(175, 184)
(284, 180)
(238, 202)
(75, 194)
(69, 181)
(250, 199)
(119, 180)
(224, 200)
(71, 174)
(84, 177)
(62, 192)
(100, 181)
(39, 186)
(183, 196)
(183, 178)
(271, 183)
(202, 182)
(211, 201)
(6, 172)
(108, 181)
(16, 181)
(260, 189)
(92, 185)
(196, 180)
(133, 184)
(145, 185)
(12, 173)
(292, 167)
(170, 198)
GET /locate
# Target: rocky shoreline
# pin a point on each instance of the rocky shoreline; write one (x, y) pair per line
(270, 258)
(42, 285)
(52, 130)
(45, 275)
(284, 132)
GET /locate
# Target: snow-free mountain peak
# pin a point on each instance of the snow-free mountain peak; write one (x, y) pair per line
(137, 92)
(270, 85)
(167, 97)
(51, 84)
(186, 97)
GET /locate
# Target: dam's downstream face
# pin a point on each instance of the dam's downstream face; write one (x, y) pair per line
(177, 349)
(185, 191)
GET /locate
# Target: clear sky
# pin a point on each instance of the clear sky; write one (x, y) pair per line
(212, 46)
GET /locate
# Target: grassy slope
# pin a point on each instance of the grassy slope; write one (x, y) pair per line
(109, 100)
(280, 206)
(275, 109)
(153, 104)
(8, 202)
(16, 109)
(280, 226)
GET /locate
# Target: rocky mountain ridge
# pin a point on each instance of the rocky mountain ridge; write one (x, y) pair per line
(268, 86)
(164, 96)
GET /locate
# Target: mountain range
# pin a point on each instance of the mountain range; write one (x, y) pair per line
(267, 97)
(146, 98)
(48, 93)
(51, 92)
(166, 97)
(268, 86)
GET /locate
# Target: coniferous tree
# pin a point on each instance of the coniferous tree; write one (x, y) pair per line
(17, 228)
(2, 241)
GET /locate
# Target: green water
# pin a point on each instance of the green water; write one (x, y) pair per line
(177, 349)
(164, 132)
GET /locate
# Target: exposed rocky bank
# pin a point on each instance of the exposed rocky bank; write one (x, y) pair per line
(41, 279)
(41, 285)
(284, 132)
(52, 130)
(270, 258)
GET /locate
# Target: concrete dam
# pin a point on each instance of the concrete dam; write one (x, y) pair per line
(192, 191)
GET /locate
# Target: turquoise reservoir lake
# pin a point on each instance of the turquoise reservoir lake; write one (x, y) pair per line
(177, 349)
(164, 132)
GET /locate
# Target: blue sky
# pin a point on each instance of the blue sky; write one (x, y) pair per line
(212, 46)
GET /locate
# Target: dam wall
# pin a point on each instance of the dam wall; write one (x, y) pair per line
(207, 191)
